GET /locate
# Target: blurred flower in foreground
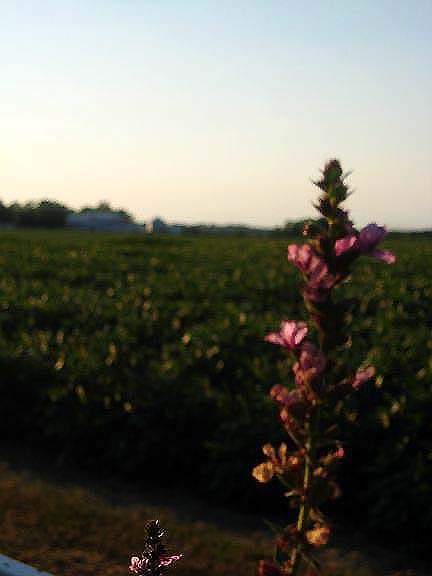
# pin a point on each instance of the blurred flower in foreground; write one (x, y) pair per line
(307, 463)
(154, 559)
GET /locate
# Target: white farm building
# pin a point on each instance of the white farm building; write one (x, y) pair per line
(98, 220)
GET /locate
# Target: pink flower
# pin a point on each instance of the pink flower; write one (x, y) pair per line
(288, 421)
(311, 364)
(363, 376)
(317, 289)
(135, 564)
(287, 398)
(142, 566)
(340, 453)
(319, 278)
(305, 258)
(345, 244)
(384, 255)
(290, 336)
(365, 243)
(153, 560)
(139, 565)
(169, 560)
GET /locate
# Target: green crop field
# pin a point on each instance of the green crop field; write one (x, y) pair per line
(144, 356)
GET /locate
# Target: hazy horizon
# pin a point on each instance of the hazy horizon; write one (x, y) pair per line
(219, 113)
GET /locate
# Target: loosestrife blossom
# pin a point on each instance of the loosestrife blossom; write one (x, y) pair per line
(340, 453)
(143, 566)
(290, 335)
(287, 398)
(154, 559)
(309, 461)
(365, 242)
(164, 562)
(315, 270)
(306, 260)
(310, 366)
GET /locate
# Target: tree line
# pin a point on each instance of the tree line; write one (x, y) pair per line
(47, 213)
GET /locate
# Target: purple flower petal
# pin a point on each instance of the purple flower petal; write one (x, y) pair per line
(370, 236)
(345, 244)
(384, 256)
(169, 560)
(275, 338)
(365, 243)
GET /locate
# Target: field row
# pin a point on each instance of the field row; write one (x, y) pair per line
(145, 355)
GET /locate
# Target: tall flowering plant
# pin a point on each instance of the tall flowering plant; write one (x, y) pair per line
(306, 464)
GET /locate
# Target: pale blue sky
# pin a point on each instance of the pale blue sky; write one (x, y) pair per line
(218, 111)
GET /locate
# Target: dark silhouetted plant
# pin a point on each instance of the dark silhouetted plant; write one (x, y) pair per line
(154, 559)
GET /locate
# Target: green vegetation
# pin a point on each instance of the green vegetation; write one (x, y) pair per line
(144, 356)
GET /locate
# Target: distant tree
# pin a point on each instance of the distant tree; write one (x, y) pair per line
(105, 206)
(126, 216)
(295, 227)
(14, 210)
(51, 214)
(44, 214)
(24, 215)
(5, 214)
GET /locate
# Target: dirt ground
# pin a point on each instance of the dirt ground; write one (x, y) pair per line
(60, 523)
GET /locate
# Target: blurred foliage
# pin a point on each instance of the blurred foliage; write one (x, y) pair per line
(144, 356)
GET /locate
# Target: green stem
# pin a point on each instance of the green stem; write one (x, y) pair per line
(303, 512)
(303, 519)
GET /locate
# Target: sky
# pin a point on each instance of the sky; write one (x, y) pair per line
(218, 110)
